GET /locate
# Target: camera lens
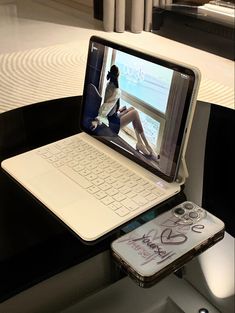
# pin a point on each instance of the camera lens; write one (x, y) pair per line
(179, 211)
(188, 206)
(193, 215)
(203, 310)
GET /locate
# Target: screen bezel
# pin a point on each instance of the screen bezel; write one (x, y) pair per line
(186, 110)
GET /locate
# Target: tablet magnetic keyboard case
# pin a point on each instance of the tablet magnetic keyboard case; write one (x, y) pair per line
(163, 92)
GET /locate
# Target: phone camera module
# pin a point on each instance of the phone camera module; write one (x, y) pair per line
(188, 213)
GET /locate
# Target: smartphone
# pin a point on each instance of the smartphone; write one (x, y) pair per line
(163, 245)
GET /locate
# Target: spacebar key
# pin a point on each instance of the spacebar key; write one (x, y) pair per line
(79, 179)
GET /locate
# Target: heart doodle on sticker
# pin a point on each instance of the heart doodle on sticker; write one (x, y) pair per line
(168, 238)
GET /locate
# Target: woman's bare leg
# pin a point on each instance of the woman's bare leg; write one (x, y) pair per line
(132, 116)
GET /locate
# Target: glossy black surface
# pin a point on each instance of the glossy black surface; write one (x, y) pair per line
(186, 25)
(218, 181)
(34, 244)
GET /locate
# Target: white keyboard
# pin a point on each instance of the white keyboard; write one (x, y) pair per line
(116, 186)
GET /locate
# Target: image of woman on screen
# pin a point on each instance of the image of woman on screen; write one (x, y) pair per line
(120, 117)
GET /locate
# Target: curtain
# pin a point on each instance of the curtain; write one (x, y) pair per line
(130, 15)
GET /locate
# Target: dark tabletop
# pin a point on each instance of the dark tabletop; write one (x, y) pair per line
(34, 244)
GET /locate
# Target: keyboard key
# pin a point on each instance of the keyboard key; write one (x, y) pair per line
(53, 159)
(117, 184)
(60, 145)
(136, 178)
(124, 178)
(79, 179)
(84, 162)
(104, 175)
(107, 200)
(116, 174)
(125, 190)
(118, 205)
(46, 155)
(91, 176)
(146, 192)
(66, 159)
(100, 194)
(151, 197)
(138, 188)
(61, 155)
(92, 166)
(41, 151)
(110, 180)
(140, 200)
(73, 153)
(110, 169)
(148, 186)
(131, 205)
(52, 149)
(112, 191)
(158, 192)
(131, 183)
(104, 186)
(90, 157)
(119, 197)
(78, 168)
(131, 194)
(113, 207)
(93, 189)
(58, 163)
(98, 181)
(97, 170)
(85, 172)
(73, 163)
(122, 211)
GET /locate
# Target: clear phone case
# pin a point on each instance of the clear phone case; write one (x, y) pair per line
(164, 244)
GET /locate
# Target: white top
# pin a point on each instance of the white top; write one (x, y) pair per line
(112, 94)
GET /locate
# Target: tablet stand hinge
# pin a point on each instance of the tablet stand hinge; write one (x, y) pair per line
(183, 172)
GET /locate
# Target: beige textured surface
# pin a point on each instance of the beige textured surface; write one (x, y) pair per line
(57, 71)
(41, 74)
(214, 92)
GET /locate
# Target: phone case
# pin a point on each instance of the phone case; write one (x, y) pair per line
(164, 244)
